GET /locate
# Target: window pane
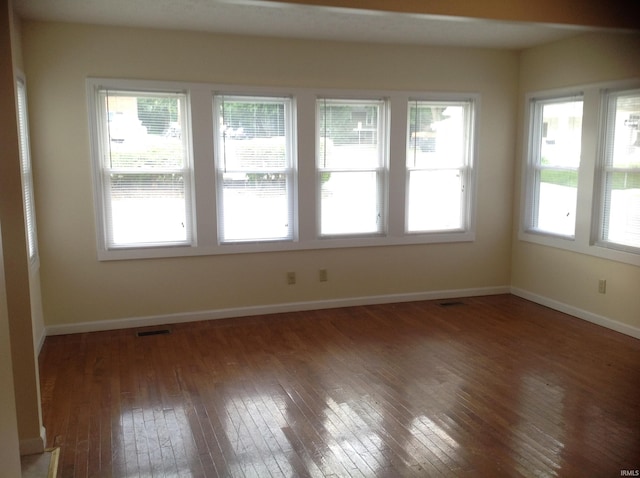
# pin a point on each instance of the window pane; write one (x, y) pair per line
(350, 161)
(621, 221)
(623, 206)
(435, 201)
(557, 199)
(349, 203)
(437, 135)
(626, 133)
(147, 209)
(349, 134)
(557, 138)
(561, 134)
(255, 168)
(144, 132)
(145, 161)
(256, 207)
(438, 153)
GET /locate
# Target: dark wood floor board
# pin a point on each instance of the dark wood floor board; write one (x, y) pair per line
(485, 386)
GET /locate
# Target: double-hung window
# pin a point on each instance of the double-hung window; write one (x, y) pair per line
(143, 172)
(553, 162)
(351, 166)
(618, 221)
(376, 168)
(439, 165)
(255, 168)
(25, 167)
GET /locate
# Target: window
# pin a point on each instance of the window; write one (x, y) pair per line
(187, 169)
(27, 175)
(255, 168)
(619, 216)
(438, 161)
(351, 166)
(581, 192)
(143, 168)
(554, 159)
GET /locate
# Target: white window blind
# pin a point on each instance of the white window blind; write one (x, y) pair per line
(439, 158)
(145, 168)
(619, 221)
(554, 159)
(255, 168)
(27, 175)
(351, 166)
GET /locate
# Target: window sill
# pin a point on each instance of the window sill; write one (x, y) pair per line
(283, 246)
(572, 245)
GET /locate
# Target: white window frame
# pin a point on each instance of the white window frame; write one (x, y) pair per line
(604, 168)
(26, 170)
(467, 168)
(588, 206)
(205, 195)
(289, 170)
(381, 169)
(101, 171)
(535, 168)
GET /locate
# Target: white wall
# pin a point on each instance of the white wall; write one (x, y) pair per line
(9, 450)
(564, 277)
(20, 399)
(77, 288)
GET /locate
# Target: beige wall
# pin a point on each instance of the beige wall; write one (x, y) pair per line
(9, 449)
(78, 288)
(16, 290)
(563, 276)
(34, 272)
(9, 439)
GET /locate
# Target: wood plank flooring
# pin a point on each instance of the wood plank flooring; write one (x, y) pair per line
(489, 386)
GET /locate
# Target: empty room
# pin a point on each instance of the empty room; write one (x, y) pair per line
(309, 238)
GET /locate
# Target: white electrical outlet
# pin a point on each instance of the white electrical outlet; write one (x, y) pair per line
(602, 286)
(291, 278)
(322, 275)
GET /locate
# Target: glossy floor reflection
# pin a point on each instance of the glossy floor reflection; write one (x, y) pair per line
(495, 386)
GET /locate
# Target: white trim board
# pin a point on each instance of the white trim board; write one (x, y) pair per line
(579, 313)
(132, 322)
(31, 446)
(40, 341)
(163, 319)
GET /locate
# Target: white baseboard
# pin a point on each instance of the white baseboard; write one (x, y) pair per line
(153, 320)
(40, 342)
(579, 313)
(31, 446)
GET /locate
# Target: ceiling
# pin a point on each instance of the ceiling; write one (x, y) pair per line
(290, 20)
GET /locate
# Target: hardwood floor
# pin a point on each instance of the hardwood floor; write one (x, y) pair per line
(488, 386)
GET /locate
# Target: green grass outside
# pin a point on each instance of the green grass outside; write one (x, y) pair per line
(570, 179)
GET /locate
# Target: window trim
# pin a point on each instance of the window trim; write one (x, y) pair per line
(205, 201)
(587, 208)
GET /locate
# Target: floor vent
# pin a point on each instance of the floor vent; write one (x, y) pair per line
(451, 303)
(153, 332)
